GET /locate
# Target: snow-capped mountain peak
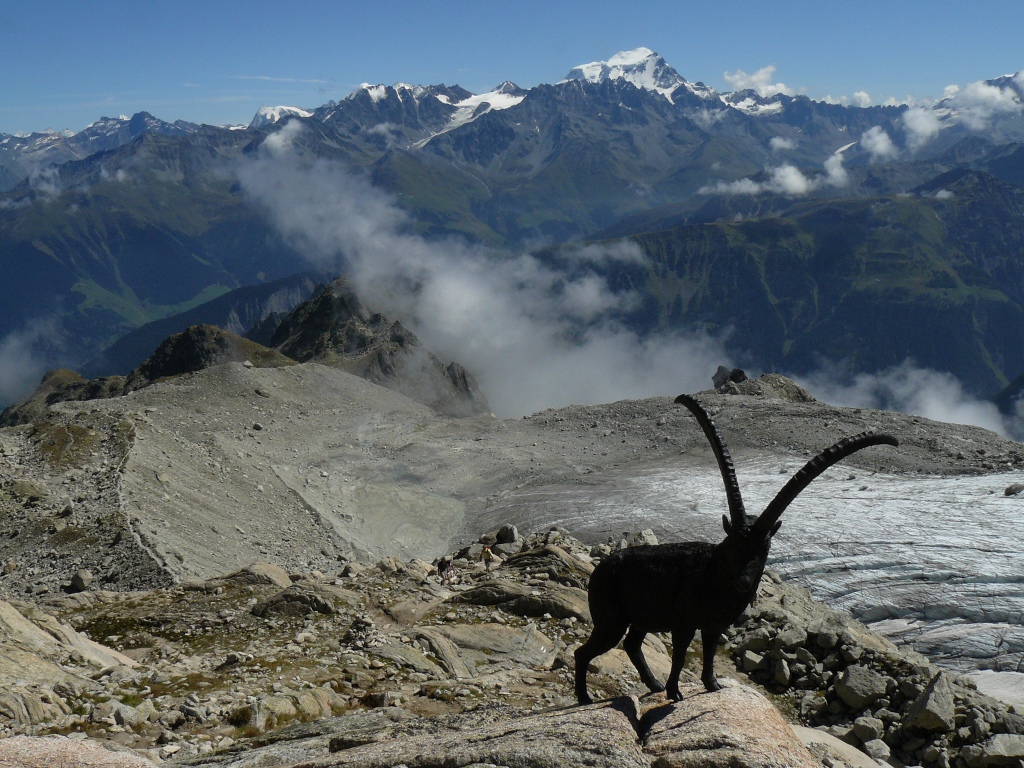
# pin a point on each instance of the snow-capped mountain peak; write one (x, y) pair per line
(267, 115)
(642, 67)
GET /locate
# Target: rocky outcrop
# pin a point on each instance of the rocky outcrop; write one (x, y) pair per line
(194, 349)
(769, 385)
(334, 328)
(57, 386)
(199, 347)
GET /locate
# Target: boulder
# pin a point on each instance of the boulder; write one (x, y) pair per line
(493, 593)
(559, 602)
(860, 687)
(934, 709)
(304, 598)
(1003, 749)
(481, 643)
(259, 573)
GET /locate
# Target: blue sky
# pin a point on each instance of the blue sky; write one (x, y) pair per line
(65, 64)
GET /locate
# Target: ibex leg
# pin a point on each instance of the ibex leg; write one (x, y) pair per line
(709, 639)
(681, 639)
(634, 649)
(602, 640)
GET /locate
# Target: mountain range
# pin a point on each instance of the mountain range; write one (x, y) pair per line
(864, 234)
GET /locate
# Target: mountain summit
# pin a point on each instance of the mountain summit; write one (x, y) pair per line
(643, 68)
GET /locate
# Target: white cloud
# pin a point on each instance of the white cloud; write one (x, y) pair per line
(535, 332)
(978, 102)
(788, 180)
(781, 144)
(46, 183)
(835, 173)
(911, 389)
(861, 99)
(876, 142)
(785, 179)
(760, 82)
(921, 124)
(24, 358)
(944, 194)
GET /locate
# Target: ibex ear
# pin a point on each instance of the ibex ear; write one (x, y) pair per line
(775, 529)
(726, 524)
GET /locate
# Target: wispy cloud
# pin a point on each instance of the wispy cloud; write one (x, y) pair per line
(24, 357)
(265, 78)
(535, 332)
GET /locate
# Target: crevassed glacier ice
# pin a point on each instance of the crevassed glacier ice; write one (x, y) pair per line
(933, 562)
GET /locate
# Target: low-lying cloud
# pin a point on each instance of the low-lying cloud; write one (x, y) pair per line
(878, 144)
(24, 357)
(534, 334)
(785, 179)
(921, 125)
(912, 389)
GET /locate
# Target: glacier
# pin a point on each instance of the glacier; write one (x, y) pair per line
(931, 562)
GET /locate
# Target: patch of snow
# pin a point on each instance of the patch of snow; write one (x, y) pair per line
(845, 147)
(753, 106)
(1005, 686)
(268, 115)
(375, 92)
(466, 109)
(505, 96)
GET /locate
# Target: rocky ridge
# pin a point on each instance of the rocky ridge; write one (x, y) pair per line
(334, 328)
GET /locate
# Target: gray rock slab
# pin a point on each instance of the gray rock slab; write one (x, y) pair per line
(560, 602)
(482, 642)
(735, 727)
(598, 736)
(493, 593)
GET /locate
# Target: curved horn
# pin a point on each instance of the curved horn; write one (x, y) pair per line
(812, 469)
(737, 513)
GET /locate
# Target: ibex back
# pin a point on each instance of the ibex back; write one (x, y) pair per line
(680, 588)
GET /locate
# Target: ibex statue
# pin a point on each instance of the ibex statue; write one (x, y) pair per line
(693, 585)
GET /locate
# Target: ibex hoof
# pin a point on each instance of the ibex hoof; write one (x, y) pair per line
(712, 685)
(674, 694)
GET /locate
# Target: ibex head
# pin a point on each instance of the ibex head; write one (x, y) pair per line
(748, 538)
